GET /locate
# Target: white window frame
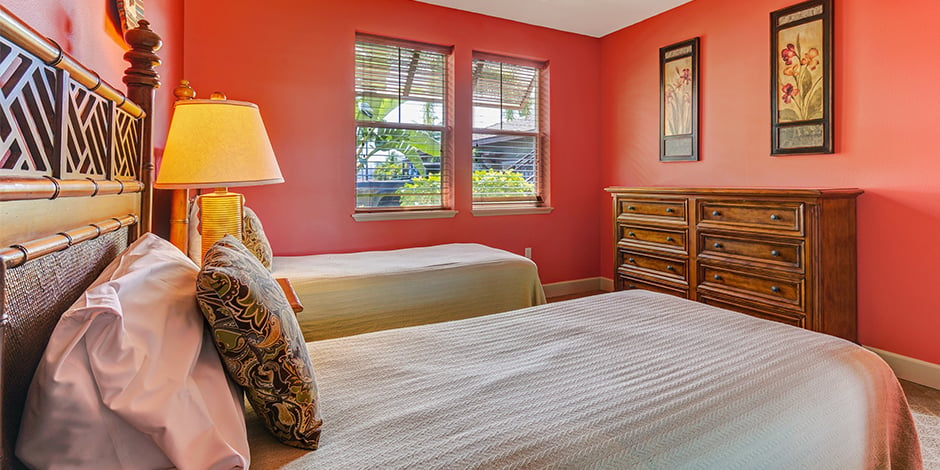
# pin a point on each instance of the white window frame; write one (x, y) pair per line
(537, 203)
(444, 209)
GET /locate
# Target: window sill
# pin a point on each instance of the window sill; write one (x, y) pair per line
(403, 215)
(510, 210)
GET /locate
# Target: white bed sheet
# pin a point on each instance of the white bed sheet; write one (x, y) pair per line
(624, 380)
(352, 293)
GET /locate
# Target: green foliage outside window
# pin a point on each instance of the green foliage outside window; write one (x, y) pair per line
(487, 182)
(421, 191)
(394, 145)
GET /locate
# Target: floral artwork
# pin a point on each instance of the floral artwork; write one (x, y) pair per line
(678, 111)
(801, 80)
(801, 74)
(678, 80)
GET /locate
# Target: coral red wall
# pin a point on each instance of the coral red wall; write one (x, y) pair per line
(295, 59)
(604, 125)
(86, 31)
(885, 137)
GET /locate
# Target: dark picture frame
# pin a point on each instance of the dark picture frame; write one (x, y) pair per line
(801, 79)
(131, 11)
(679, 101)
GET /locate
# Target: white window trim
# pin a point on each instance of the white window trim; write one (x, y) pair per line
(403, 215)
(488, 211)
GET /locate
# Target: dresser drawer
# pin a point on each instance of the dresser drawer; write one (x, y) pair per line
(790, 318)
(656, 238)
(627, 283)
(666, 210)
(763, 215)
(662, 267)
(782, 253)
(787, 293)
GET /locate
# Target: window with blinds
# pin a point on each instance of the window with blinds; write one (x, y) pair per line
(401, 124)
(508, 119)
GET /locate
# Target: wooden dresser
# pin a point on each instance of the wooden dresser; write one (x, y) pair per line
(783, 254)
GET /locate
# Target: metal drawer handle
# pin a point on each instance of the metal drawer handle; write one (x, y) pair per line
(716, 277)
(631, 260)
(775, 289)
(717, 245)
(716, 213)
(774, 253)
(631, 208)
(670, 268)
(774, 217)
(631, 234)
(670, 210)
(670, 239)
(631, 286)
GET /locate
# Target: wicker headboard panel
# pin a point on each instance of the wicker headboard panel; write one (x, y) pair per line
(29, 318)
(76, 164)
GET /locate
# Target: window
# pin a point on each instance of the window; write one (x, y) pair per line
(509, 119)
(401, 125)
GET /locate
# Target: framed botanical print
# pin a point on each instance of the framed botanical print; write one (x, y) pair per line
(801, 79)
(678, 101)
(131, 11)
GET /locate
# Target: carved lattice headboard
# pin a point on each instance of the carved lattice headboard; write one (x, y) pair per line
(76, 165)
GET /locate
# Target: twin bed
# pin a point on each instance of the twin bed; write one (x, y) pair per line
(346, 294)
(352, 293)
(621, 380)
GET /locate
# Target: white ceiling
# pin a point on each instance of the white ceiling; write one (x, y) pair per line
(589, 17)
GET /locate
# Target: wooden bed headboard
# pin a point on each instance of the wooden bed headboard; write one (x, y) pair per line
(76, 165)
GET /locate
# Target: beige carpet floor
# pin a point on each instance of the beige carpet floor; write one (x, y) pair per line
(925, 405)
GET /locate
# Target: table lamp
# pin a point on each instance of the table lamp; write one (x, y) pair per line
(217, 143)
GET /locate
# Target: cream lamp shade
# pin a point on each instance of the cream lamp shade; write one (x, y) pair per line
(217, 143)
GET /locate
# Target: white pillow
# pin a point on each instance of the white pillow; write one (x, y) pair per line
(130, 378)
(195, 238)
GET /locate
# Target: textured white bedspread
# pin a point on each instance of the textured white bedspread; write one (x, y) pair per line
(352, 293)
(623, 380)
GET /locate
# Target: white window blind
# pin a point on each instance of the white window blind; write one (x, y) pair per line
(401, 124)
(508, 118)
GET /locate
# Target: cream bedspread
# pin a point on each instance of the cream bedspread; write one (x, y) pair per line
(352, 293)
(623, 380)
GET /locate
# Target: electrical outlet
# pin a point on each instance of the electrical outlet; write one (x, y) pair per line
(528, 252)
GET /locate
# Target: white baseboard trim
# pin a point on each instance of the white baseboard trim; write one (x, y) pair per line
(908, 368)
(577, 286)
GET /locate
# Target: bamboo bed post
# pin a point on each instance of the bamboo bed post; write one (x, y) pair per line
(142, 80)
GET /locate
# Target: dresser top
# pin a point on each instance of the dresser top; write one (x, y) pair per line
(756, 192)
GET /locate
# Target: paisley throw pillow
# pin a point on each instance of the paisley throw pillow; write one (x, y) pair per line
(260, 341)
(254, 239)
